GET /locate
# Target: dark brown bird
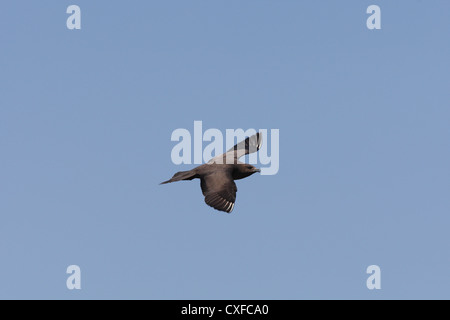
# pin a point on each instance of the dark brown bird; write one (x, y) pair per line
(218, 175)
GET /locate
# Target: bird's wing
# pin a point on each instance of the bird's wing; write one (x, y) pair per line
(219, 190)
(247, 146)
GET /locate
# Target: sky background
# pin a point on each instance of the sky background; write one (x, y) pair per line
(86, 118)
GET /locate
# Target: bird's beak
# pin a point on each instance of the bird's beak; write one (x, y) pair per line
(257, 170)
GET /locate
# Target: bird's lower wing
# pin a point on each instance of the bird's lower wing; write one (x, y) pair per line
(219, 190)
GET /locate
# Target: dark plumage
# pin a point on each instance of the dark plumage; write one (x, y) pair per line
(218, 175)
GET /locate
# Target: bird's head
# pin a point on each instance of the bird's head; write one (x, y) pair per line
(244, 170)
(252, 169)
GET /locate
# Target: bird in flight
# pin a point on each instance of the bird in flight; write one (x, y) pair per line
(218, 175)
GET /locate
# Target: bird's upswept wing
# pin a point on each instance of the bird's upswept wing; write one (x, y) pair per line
(219, 190)
(247, 146)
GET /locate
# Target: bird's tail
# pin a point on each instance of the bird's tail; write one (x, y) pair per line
(182, 175)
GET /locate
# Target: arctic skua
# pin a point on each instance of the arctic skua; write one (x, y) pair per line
(218, 175)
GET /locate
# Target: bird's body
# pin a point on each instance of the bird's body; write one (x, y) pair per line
(217, 176)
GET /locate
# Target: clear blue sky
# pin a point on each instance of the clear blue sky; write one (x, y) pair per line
(85, 124)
